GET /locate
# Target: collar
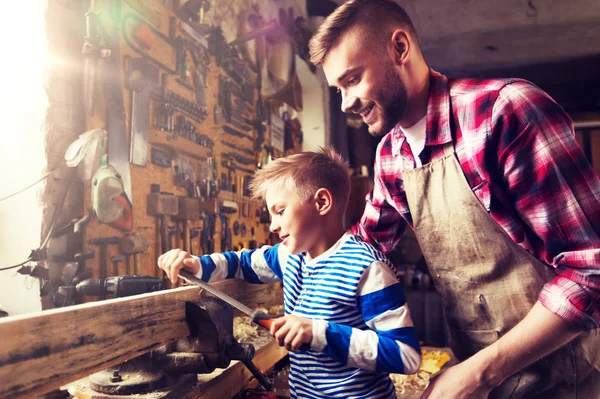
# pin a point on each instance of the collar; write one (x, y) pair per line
(438, 115)
(333, 249)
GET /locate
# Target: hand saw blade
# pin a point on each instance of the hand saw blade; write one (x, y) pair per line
(112, 85)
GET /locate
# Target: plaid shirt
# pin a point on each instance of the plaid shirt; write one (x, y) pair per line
(518, 152)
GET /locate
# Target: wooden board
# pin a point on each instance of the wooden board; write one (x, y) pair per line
(41, 352)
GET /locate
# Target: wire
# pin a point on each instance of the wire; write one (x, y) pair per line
(15, 266)
(26, 188)
(52, 225)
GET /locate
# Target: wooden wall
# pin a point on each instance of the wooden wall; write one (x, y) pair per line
(142, 177)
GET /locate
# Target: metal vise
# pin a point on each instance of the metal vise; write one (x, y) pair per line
(168, 372)
(210, 344)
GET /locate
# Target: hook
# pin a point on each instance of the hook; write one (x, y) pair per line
(531, 11)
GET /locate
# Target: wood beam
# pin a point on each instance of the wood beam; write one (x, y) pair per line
(41, 352)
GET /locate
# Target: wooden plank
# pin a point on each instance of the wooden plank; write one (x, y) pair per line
(41, 352)
(252, 295)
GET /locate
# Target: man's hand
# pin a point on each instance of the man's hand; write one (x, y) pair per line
(292, 331)
(458, 382)
(175, 260)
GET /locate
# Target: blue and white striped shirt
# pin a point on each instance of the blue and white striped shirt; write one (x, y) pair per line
(362, 328)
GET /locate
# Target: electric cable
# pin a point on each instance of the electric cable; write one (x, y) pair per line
(26, 188)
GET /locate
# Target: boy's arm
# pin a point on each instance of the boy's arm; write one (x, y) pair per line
(262, 265)
(391, 344)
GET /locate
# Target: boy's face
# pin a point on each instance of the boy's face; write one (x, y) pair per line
(296, 223)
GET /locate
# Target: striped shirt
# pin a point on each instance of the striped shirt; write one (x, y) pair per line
(362, 328)
(519, 155)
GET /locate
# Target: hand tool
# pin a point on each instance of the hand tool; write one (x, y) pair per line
(234, 132)
(225, 234)
(94, 45)
(231, 166)
(162, 205)
(239, 158)
(189, 210)
(129, 24)
(112, 82)
(131, 246)
(103, 243)
(257, 316)
(140, 74)
(115, 261)
(120, 286)
(237, 147)
(110, 203)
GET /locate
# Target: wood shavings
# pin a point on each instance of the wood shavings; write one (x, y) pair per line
(410, 383)
(276, 310)
(243, 328)
(432, 363)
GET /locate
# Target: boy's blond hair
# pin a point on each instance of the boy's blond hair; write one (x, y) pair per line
(305, 173)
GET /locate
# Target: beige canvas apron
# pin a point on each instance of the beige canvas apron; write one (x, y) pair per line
(488, 283)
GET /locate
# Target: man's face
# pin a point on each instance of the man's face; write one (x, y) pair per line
(368, 82)
(296, 223)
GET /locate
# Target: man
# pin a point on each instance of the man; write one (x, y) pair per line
(502, 200)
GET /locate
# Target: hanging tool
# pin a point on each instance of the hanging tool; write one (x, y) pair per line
(189, 210)
(142, 79)
(103, 243)
(120, 286)
(130, 24)
(109, 201)
(115, 261)
(162, 205)
(132, 246)
(237, 147)
(112, 83)
(94, 47)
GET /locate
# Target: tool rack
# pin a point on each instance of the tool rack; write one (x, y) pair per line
(206, 134)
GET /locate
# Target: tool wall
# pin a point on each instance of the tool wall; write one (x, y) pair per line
(186, 126)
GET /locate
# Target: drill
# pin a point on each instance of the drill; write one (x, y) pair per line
(120, 286)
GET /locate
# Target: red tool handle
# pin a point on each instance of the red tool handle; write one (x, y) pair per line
(264, 320)
(265, 323)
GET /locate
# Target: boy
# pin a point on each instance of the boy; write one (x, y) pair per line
(341, 295)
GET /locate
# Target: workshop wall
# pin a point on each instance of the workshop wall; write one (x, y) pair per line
(189, 173)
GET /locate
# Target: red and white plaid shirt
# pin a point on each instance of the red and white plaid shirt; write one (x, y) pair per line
(518, 152)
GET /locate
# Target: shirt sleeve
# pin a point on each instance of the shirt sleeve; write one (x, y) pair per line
(381, 225)
(258, 266)
(390, 344)
(556, 192)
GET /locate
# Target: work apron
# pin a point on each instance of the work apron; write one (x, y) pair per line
(488, 283)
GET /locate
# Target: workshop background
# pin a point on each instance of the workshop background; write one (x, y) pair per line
(132, 127)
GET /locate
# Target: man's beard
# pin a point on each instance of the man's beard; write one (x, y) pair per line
(391, 101)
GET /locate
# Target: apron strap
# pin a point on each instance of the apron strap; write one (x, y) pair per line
(449, 148)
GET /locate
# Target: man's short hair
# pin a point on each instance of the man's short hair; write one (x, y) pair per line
(374, 15)
(305, 173)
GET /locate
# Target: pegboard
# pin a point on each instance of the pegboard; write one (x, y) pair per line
(153, 29)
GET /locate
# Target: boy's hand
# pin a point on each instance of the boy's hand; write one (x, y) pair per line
(175, 260)
(292, 331)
